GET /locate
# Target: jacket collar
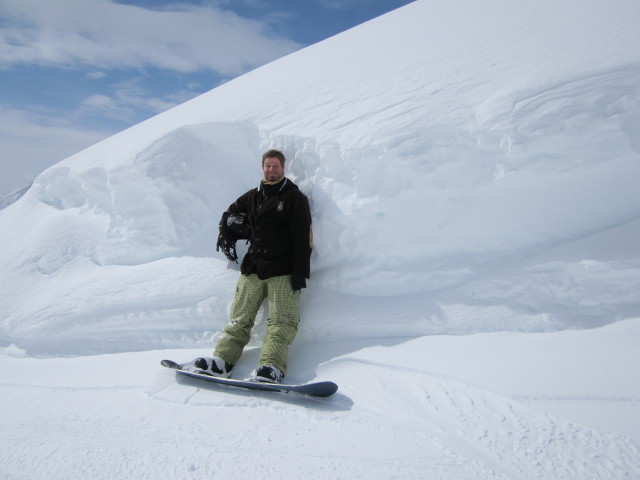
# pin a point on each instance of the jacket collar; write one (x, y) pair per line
(270, 189)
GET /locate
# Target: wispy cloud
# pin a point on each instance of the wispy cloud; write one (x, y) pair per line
(105, 35)
(96, 75)
(128, 99)
(341, 4)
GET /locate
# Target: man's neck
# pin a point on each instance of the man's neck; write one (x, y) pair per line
(267, 182)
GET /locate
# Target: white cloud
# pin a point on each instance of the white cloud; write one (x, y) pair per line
(340, 4)
(105, 34)
(96, 75)
(128, 101)
(99, 102)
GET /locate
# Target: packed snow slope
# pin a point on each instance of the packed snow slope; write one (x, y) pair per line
(473, 407)
(472, 169)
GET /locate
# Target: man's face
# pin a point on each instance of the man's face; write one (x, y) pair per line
(272, 169)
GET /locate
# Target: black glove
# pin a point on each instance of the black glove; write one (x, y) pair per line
(298, 283)
(228, 247)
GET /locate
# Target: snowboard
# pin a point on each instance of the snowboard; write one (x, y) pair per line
(316, 389)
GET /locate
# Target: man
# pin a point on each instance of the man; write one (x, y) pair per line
(277, 220)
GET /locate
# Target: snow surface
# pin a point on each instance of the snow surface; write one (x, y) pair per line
(472, 169)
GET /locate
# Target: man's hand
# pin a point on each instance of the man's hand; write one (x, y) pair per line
(228, 247)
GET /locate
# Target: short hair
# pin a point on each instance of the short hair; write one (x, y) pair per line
(273, 154)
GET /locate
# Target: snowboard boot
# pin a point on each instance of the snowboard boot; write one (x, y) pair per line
(216, 367)
(268, 374)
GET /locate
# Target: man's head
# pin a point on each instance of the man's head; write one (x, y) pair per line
(273, 165)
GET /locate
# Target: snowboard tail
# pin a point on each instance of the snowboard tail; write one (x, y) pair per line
(316, 389)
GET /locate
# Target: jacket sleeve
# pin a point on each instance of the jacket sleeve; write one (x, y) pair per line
(301, 237)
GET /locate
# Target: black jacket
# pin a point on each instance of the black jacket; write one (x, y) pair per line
(280, 223)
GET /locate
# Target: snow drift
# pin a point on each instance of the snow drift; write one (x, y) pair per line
(464, 176)
(428, 173)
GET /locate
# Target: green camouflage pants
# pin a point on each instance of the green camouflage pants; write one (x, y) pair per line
(282, 326)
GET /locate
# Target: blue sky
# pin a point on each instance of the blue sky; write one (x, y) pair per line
(73, 72)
